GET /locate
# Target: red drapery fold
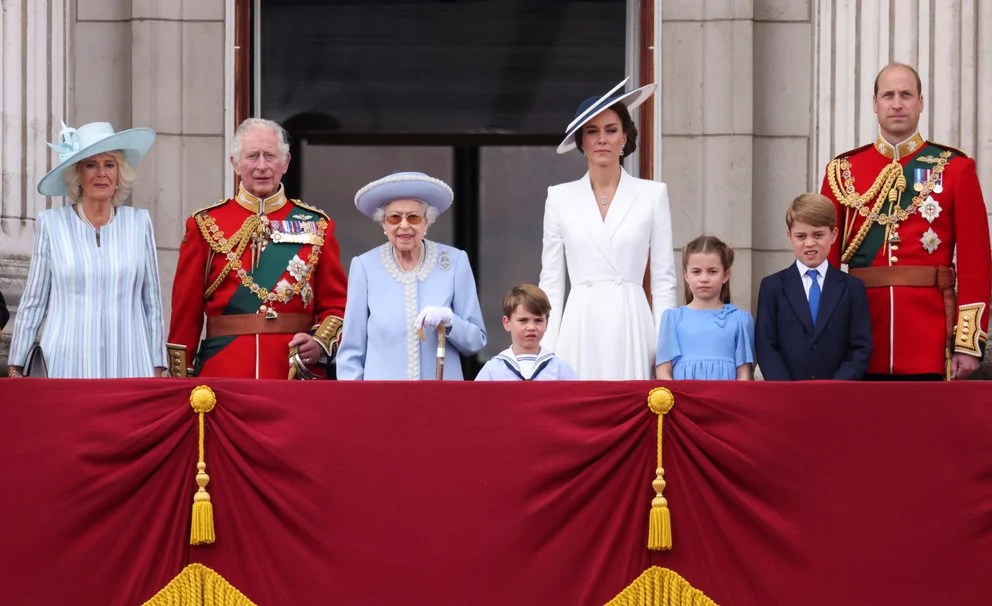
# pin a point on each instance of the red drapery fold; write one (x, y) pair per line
(458, 493)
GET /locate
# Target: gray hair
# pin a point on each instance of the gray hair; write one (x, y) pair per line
(126, 176)
(252, 123)
(430, 213)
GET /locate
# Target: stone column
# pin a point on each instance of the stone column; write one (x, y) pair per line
(179, 80)
(32, 101)
(782, 126)
(707, 126)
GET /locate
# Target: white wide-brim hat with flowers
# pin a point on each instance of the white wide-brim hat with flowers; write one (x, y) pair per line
(593, 106)
(404, 186)
(89, 140)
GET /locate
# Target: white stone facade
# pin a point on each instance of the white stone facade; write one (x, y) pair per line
(757, 96)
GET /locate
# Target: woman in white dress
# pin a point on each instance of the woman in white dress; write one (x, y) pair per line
(604, 231)
(94, 269)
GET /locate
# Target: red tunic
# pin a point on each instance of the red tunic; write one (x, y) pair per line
(309, 281)
(908, 323)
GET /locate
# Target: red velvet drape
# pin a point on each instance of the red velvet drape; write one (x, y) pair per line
(463, 493)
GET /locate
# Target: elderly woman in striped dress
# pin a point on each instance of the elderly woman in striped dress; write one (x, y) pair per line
(94, 270)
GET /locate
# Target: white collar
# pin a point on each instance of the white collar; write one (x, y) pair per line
(821, 269)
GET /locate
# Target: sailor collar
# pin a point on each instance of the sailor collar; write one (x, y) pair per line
(257, 205)
(900, 150)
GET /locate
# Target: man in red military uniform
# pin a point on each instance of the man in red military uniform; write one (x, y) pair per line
(264, 271)
(904, 205)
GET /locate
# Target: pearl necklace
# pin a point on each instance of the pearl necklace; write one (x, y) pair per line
(420, 261)
(86, 220)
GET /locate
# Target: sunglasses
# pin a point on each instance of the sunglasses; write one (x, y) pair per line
(411, 218)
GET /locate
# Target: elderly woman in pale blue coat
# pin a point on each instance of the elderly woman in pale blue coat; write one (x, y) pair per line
(399, 293)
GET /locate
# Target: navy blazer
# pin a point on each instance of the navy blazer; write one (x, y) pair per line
(787, 344)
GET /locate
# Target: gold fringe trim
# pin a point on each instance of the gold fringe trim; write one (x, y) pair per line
(660, 401)
(198, 585)
(201, 530)
(660, 587)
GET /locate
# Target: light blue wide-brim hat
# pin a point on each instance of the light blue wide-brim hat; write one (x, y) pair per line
(404, 186)
(89, 140)
(593, 106)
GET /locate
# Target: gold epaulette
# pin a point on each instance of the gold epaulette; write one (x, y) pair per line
(206, 208)
(948, 148)
(312, 209)
(856, 150)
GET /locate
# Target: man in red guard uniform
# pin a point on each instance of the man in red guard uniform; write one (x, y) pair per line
(904, 205)
(263, 269)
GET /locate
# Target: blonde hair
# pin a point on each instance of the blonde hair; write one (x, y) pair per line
(531, 297)
(708, 244)
(126, 176)
(812, 209)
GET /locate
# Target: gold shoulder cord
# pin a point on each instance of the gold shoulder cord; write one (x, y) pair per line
(888, 187)
(222, 246)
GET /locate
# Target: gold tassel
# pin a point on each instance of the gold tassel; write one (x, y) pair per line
(201, 530)
(900, 185)
(660, 401)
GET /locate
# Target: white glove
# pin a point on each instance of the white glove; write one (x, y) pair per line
(432, 317)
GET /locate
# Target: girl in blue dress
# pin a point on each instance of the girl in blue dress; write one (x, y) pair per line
(708, 338)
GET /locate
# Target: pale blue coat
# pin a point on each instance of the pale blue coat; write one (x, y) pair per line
(103, 303)
(380, 341)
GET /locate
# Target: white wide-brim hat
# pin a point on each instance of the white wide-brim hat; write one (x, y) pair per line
(404, 186)
(593, 106)
(89, 140)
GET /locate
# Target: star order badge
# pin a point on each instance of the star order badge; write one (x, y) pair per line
(930, 209)
(306, 293)
(930, 240)
(297, 268)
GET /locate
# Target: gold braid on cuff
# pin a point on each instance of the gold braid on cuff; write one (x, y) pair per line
(327, 334)
(178, 360)
(968, 334)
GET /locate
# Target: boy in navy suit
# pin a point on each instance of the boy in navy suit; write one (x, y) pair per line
(812, 320)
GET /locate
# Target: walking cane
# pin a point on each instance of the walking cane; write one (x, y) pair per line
(441, 333)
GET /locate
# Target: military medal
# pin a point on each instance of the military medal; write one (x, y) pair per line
(930, 209)
(938, 185)
(298, 232)
(920, 176)
(297, 268)
(283, 289)
(930, 240)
